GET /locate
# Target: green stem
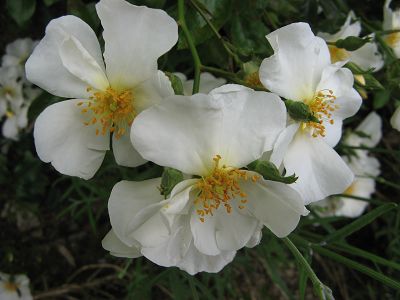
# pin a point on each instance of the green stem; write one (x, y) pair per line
(215, 31)
(318, 285)
(230, 76)
(192, 47)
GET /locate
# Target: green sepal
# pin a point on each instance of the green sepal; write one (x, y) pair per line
(170, 178)
(270, 172)
(176, 83)
(300, 111)
(352, 43)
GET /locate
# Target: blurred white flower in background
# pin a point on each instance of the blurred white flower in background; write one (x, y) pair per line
(391, 21)
(14, 287)
(16, 94)
(366, 57)
(395, 119)
(208, 82)
(367, 134)
(17, 53)
(109, 90)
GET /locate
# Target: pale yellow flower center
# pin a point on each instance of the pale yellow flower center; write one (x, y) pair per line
(253, 79)
(322, 107)
(113, 110)
(393, 39)
(338, 54)
(350, 189)
(10, 286)
(220, 187)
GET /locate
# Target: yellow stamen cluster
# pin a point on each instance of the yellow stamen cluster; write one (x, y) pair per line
(350, 190)
(393, 39)
(253, 79)
(220, 188)
(338, 54)
(10, 286)
(113, 110)
(322, 107)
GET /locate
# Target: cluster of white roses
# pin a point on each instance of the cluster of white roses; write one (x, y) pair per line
(16, 93)
(222, 205)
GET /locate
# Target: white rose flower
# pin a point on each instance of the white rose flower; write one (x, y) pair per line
(222, 208)
(366, 57)
(15, 121)
(363, 166)
(391, 21)
(208, 82)
(14, 287)
(300, 70)
(74, 135)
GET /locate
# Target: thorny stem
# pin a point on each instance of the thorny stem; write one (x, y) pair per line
(192, 47)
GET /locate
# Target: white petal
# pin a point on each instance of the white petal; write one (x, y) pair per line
(208, 82)
(131, 204)
(152, 91)
(283, 143)
(395, 119)
(274, 204)
(180, 197)
(10, 128)
(222, 231)
(78, 61)
(117, 248)
(124, 153)
(195, 261)
(62, 139)
(345, 31)
(321, 171)
(367, 57)
(45, 68)
(372, 127)
(135, 37)
(256, 237)
(294, 70)
(340, 81)
(190, 131)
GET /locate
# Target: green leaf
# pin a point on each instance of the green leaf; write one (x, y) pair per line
(270, 172)
(300, 111)
(381, 98)
(371, 83)
(21, 10)
(352, 43)
(359, 223)
(176, 83)
(50, 2)
(170, 178)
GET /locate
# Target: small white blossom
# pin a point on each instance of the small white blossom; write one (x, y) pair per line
(366, 57)
(300, 70)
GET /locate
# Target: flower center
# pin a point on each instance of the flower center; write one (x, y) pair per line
(322, 107)
(350, 190)
(10, 286)
(392, 39)
(220, 187)
(113, 110)
(338, 54)
(253, 79)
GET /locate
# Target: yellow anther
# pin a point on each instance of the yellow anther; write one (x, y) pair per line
(338, 54)
(113, 110)
(220, 187)
(322, 107)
